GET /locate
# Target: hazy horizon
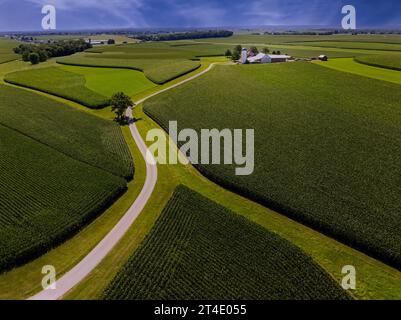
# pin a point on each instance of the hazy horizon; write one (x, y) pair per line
(74, 15)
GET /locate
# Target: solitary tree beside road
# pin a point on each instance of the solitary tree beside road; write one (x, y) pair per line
(120, 102)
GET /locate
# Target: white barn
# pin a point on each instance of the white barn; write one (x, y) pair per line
(268, 58)
(96, 42)
(260, 58)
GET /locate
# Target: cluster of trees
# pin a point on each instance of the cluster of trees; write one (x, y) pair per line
(235, 54)
(185, 35)
(36, 53)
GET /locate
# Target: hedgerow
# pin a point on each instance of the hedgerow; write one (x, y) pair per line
(202, 251)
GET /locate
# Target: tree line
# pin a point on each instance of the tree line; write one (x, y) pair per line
(36, 53)
(185, 35)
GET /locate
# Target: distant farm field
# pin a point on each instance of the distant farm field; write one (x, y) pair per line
(117, 38)
(327, 147)
(304, 51)
(352, 66)
(281, 39)
(354, 45)
(158, 71)
(308, 46)
(170, 50)
(6, 50)
(200, 250)
(59, 82)
(389, 61)
(59, 169)
(8, 57)
(7, 46)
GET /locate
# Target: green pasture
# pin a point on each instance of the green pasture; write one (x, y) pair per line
(106, 81)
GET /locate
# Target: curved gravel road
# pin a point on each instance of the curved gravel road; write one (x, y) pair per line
(93, 259)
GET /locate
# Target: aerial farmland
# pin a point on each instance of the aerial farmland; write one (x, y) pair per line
(195, 164)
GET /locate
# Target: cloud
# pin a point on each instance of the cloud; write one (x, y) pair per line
(201, 15)
(75, 14)
(291, 12)
(129, 11)
(94, 4)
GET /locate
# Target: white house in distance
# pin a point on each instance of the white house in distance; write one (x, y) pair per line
(263, 58)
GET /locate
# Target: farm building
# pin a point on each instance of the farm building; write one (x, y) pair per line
(260, 58)
(248, 57)
(96, 42)
(268, 58)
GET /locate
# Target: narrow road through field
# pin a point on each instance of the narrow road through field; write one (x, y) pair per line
(93, 259)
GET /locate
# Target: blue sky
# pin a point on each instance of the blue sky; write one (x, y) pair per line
(20, 15)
